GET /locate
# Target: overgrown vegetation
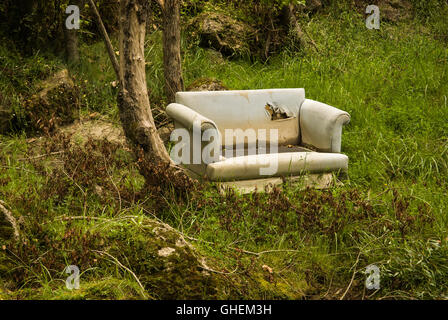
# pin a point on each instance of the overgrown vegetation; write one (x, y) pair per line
(84, 203)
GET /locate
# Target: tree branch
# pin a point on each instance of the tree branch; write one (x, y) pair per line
(125, 268)
(109, 47)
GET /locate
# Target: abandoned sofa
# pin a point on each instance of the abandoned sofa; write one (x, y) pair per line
(306, 139)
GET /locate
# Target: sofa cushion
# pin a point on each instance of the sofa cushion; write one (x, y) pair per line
(250, 109)
(291, 163)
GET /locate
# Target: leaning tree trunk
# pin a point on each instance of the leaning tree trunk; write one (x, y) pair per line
(290, 20)
(133, 100)
(171, 48)
(296, 31)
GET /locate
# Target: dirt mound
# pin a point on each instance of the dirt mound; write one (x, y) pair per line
(55, 103)
(105, 129)
(95, 129)
(155, 255)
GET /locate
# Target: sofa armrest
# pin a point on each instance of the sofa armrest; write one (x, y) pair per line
(188, 118)
(202, 133)
(321, 125)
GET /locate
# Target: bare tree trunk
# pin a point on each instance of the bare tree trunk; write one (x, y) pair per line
(71, 45)
(289, 14)
(133, 100)
(71, 40)
(171, 48)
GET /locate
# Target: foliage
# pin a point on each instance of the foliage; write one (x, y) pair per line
(38, 25)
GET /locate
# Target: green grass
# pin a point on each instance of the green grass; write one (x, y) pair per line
(392, 211)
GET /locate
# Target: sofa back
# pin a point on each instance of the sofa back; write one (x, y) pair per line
(250, 109)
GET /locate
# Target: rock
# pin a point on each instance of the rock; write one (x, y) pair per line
(206, 84)
(55, 104)
(215, 57)
(222, 33)
(165, 268)
(166, 252)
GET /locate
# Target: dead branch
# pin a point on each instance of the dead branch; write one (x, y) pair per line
(10, 218)
(41, 156)
(204, 266)
(124, 267)
(107, 42)
(353, 276)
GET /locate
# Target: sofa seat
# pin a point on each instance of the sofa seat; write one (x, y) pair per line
(289, 164)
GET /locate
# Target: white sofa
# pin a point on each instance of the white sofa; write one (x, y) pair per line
(309, 132)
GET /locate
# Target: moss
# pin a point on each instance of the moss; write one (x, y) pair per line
(107, 288)
(175, 276)
(122, 247)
